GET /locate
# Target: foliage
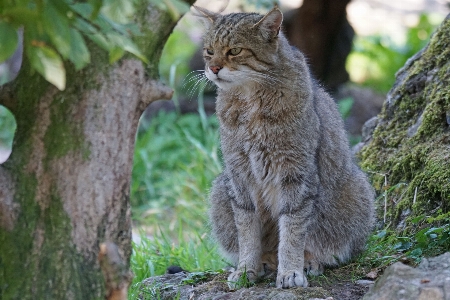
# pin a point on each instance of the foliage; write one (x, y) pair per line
(176, 8)
(375, 59)
(386, 246)
(54, 30)
(7, 127)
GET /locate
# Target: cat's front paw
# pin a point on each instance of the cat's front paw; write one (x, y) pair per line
(291, 279)
(241, 278)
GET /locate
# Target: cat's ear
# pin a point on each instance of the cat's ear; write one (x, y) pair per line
(206, 16)
(270, 24)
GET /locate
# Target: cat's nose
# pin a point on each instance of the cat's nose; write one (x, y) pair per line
(215, 69)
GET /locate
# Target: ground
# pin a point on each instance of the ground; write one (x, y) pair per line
(349, 282)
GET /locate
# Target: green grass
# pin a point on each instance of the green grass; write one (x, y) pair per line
(176, 159)
(152, 256)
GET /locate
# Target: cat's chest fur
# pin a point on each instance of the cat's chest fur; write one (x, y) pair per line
(260, 139)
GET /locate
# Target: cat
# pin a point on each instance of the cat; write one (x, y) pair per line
(290, 197)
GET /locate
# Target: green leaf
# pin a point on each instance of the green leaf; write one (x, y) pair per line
(49, 64)
(20, 16)
(115, 54)
(101, 41)
(177, 8)
(57, 27)
(126, 44)
(97, 5)
(118, 10)
(79, 53)
(9, 39)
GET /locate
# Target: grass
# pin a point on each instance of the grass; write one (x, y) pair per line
(176, 158)
(152, 256)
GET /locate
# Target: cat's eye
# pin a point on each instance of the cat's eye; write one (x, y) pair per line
(209, 51)
(235, 51)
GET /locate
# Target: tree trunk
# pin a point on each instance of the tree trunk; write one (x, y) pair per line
(408, 151)
(320, 29)
(65, 189)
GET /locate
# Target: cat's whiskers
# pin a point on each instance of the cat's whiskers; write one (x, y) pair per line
(201, 82)
(261, 78)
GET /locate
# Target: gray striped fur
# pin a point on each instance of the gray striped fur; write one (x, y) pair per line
(290, 196)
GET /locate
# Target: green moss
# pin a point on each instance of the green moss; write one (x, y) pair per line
(38, 259)
(154, 36)
(411, 144)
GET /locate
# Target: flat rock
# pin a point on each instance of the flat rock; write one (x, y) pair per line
(429, 281)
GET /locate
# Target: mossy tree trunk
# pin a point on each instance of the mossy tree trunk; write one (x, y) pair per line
(410, 147)
(65, 188)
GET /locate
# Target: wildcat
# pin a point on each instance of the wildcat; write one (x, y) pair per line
(290, 196)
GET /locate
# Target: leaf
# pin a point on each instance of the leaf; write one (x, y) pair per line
(57, 27)
(381, 234)
(79, 53)
(115, 54)
(49, 64)
(101, 41)
(176, 8)
(20, 16)
(118, 10)
(93, 34)
(9, 39)
(126, 44)
(417, 219)
(97, 5)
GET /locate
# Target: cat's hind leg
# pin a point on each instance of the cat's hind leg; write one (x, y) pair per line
(312, 265)
(222, 218)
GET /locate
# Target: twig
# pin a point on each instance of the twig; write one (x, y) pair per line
(385, 198)
(415, 196)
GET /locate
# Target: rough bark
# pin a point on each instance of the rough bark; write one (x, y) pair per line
(65, 188)
(408, 153)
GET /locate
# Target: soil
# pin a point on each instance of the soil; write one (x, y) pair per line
(342, 283)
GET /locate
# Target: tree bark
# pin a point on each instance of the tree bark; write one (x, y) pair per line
(65, 188)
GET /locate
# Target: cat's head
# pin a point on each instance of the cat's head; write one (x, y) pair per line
(240, 48)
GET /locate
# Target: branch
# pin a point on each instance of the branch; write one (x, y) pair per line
(154, 90)
(9, 210)
(7, 96)
(190, 2)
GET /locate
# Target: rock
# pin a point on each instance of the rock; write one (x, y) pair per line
(429, 281)
(366, 105)
(408, 144)
(210, 285)
(365, 282)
